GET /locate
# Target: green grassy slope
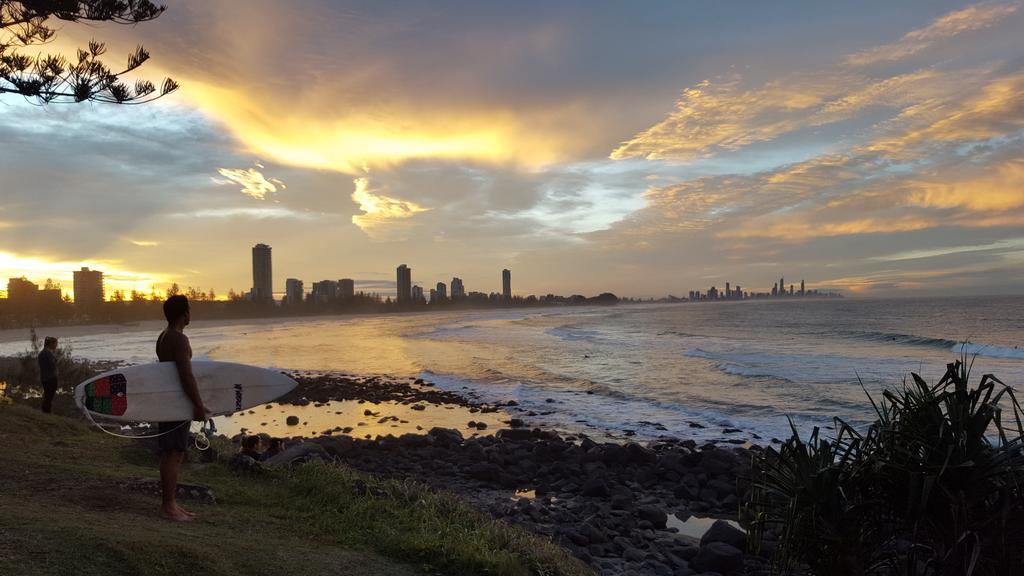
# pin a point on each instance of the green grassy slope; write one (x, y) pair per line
(63, 511)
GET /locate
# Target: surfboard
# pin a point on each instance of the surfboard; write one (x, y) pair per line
(153, 392)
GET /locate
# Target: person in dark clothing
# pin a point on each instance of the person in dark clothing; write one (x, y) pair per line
(275, 447)
(48, 372)
(251, 447)
(173, 346)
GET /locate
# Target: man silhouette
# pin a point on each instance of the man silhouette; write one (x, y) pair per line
(48, 372)
(173, 346)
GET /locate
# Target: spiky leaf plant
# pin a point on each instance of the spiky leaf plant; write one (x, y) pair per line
(934, 487)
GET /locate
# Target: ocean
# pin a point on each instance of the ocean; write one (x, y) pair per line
(689, 370)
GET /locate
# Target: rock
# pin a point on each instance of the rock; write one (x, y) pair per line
(292, 421)
(595, 487)
(722, 531)
(481, 425)
(418, 407)
(514, 434)
(640, 455)
(445, 436)
(633, 554)
(656, 516)
(718, 557)
(593, 534)
(486, 471)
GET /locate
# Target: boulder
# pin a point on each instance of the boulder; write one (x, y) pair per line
(656, 516)
(292, 421)
(722, 531)
(514, 434)
(445, 436)
(637, 454)
(595, 487)
(718, 557)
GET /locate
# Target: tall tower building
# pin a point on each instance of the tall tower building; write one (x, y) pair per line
(346, 289)
(262, 274)
(442, 291)
(404, 284)
(506, 285)
(728, 291)
(88, 287)
(458, 290)
(802, 287)
(293, 291)
(782, 286)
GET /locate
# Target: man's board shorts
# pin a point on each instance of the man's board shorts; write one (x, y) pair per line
(173, 436)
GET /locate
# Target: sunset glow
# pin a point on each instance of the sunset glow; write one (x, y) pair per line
(642, 149)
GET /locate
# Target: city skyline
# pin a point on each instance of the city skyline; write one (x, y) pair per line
(642, 149)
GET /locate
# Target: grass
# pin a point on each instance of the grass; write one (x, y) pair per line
(62, 511)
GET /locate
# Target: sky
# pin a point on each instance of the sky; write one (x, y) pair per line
(645, 149)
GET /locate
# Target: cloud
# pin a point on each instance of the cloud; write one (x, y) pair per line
(253, 182)
(908, 150)
(1010, 245)
(145, 243)
(976, 17)
(381, 214)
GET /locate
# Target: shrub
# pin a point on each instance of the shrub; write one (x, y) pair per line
(935, 486)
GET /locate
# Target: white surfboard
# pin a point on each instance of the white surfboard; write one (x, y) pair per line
(153, 392)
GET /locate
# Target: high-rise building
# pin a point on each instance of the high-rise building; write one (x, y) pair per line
(738, 293)
(782, 286)
(802, 292)
(458, 290)
(346, 289)
(728, 291)
(293, 291)
(262, 274)
(88, 287)
(416, 294)
(712, 293)
(442, 291)
(404, 284)
(324, 292)
(506, 285)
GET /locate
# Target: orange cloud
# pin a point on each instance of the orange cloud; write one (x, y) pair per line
(1000, 190)
(319, 135)
(977, 17)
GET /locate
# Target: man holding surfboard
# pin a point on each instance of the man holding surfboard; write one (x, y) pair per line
(173, 346)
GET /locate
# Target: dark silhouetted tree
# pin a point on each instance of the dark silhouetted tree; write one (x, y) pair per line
(47, 78)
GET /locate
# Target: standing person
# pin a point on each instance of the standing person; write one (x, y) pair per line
(173, 346)
(48, 372)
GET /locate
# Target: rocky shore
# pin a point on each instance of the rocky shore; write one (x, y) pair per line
(623, 508)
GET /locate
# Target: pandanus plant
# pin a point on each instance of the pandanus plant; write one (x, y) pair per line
(933, 487)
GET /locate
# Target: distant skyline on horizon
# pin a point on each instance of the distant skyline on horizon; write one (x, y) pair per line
(877, 150)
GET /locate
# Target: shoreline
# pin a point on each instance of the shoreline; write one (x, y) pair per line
(619, 506)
